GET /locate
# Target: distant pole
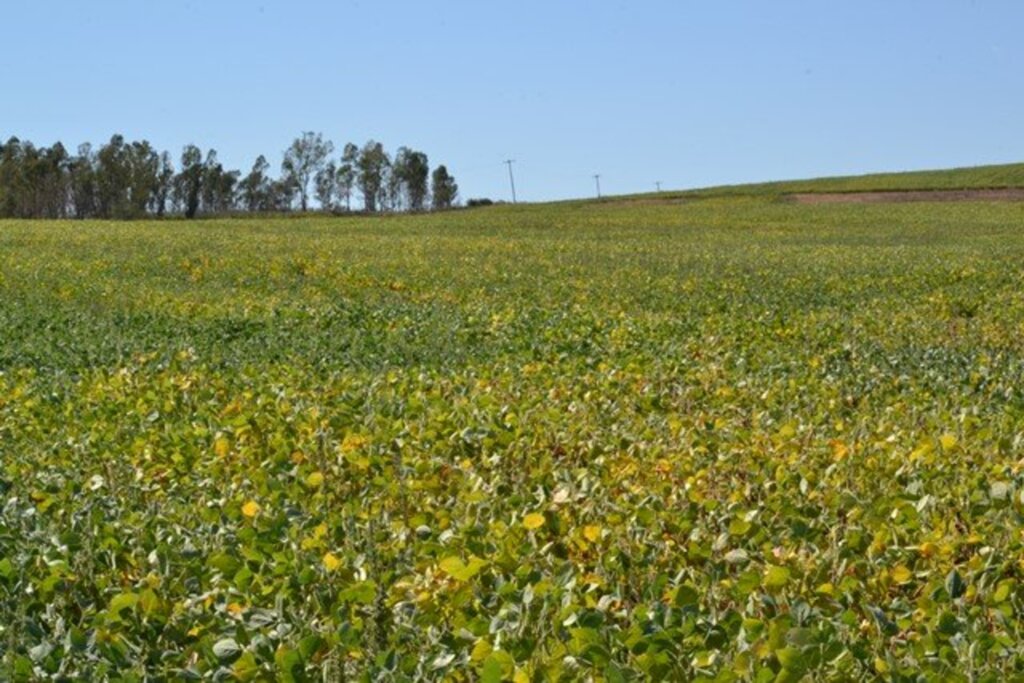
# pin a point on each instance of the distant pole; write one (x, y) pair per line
(657, 184)
(597, 179)
(511, 178)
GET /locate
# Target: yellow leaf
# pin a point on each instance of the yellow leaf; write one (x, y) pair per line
(480, 651)
(353, 442)
(331, 562)
(533, 521)
(948, 441)
(839, 450)
(251, 509)
(520, 677)
(315, 538)
(776, 576)
(902, 574)
(922, 451)
(246, 668)
(454, 567)
(592, 533)
(221, 446)
(315, 480)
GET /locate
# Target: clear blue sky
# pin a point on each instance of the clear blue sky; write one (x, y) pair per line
(688, 93)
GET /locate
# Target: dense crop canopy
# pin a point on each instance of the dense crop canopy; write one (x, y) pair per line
(722, 440)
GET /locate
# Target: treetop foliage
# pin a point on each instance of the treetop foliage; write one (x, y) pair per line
(129, 180)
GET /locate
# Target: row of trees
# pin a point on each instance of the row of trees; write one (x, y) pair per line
(133, 180)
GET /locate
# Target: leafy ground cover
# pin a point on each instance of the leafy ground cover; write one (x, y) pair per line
(733, 439)
(994, 177)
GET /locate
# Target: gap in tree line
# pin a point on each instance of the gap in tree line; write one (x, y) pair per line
(129, 180)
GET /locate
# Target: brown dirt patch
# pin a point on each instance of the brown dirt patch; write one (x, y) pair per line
(1005, 195)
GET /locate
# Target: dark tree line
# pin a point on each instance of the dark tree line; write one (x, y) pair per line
(124, 180)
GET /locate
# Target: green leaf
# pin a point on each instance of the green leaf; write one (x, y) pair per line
(246, 667)
(885, 624)
(121, 603)
(77, 638)
(739, 527)
(955, 585)
(1003, 590)
(686, 596)
(23, 668)
(224, 563)
(463, 571)
(362, 593)
(226, 649)
(309, 646)
(613, 674)
(40, 651)
(737, 556)
(289, 665)
(791, 658)
(149, 602)
(7, 569)
(491, 671)
(776, 577)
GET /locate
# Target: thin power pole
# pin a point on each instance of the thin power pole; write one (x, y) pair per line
(657, 184)
(511, 178)
(597, 179)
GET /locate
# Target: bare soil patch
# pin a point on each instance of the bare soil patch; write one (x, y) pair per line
(1004, 195)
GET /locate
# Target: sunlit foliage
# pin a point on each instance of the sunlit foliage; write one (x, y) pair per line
(720, 440)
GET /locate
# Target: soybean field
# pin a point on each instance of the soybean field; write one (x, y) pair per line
(711, 439)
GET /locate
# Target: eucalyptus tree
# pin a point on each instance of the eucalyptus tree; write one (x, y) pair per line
(255, 191)
(142, 179)
(372, 168)
(303, 160)
(445, 191)
(112, 179)
(123, 179)
(412, 171)
(282, 194)
(82, 182)
(164, 185)
(218, 192)
(33, 180)
(188, 184)
(10, 176)
(347, 173)
(326, 183)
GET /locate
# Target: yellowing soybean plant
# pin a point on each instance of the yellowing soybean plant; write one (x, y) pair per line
(726, 439)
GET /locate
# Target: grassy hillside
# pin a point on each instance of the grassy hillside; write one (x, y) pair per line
(978, 177)
(750, 440)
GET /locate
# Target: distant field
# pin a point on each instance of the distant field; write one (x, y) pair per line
(973, 178)
(734, 439)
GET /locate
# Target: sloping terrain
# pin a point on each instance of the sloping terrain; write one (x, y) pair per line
(964, 180)
(902, 196)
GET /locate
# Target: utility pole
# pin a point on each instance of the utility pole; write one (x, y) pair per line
(511, 178)
(597, 179)
(657, 184)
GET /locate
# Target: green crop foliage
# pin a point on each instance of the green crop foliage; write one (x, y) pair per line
(995, 177)
(731, 439)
